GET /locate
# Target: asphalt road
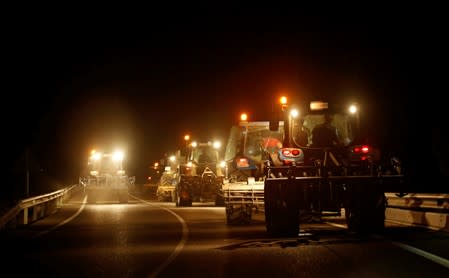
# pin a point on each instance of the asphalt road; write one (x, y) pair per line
(146, 238)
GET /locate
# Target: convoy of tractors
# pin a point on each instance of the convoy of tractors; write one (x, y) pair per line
(294, 166)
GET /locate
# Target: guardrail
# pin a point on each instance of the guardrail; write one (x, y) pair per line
(419, 209)
(34, 208)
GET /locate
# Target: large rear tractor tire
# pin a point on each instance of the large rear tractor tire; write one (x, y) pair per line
(183, 199)
(365, 212)
(219, 200)
(281, 209)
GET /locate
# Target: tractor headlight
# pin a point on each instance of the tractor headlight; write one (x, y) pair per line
(94, 173)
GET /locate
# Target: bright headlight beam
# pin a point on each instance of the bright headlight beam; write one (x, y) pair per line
(352, 109)
(294, 113)
(217, 144)
(118, 156)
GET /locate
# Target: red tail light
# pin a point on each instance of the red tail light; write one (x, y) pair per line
(365, 152)
(288, 152)
(361, 149)
(365, 149)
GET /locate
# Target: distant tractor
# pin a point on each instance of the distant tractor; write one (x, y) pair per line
(166, 185)
(201, 175)
(106, 180)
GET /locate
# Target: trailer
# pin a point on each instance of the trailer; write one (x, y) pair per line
(241, 199)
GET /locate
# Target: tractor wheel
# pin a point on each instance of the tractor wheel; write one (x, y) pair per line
(365, 212)
(281, 209)
(183, 200)
(238, 214)
(219, 200)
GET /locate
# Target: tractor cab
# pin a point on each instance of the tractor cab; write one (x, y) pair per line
(301, 126)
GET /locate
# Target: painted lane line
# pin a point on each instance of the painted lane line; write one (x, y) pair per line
(179, 246)
(434, 258)
(65, 221)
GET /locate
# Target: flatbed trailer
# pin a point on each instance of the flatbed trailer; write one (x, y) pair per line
(241, 199)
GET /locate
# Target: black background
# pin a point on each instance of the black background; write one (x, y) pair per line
(74, 83)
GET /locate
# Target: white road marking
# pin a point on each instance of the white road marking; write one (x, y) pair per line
(65, 221)
(173, 255)
(179, 246)
(434, 258)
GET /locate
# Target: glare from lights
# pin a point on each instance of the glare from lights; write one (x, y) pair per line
(96, 156)
(318, 105)
(244, 117)
(283, 100)
(194, 144)
(352, 109)
(94, 173)
(187, 137)
(172, 158)
(118, 156)
(294, 113)
(217, 144)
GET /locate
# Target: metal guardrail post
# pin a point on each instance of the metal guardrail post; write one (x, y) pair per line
(25, 216)
(59, 201)
(34, 218)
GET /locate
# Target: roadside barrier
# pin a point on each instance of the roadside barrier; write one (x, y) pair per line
(31, 209)
(419, 209)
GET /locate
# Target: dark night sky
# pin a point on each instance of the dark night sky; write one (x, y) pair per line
(81, 85)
